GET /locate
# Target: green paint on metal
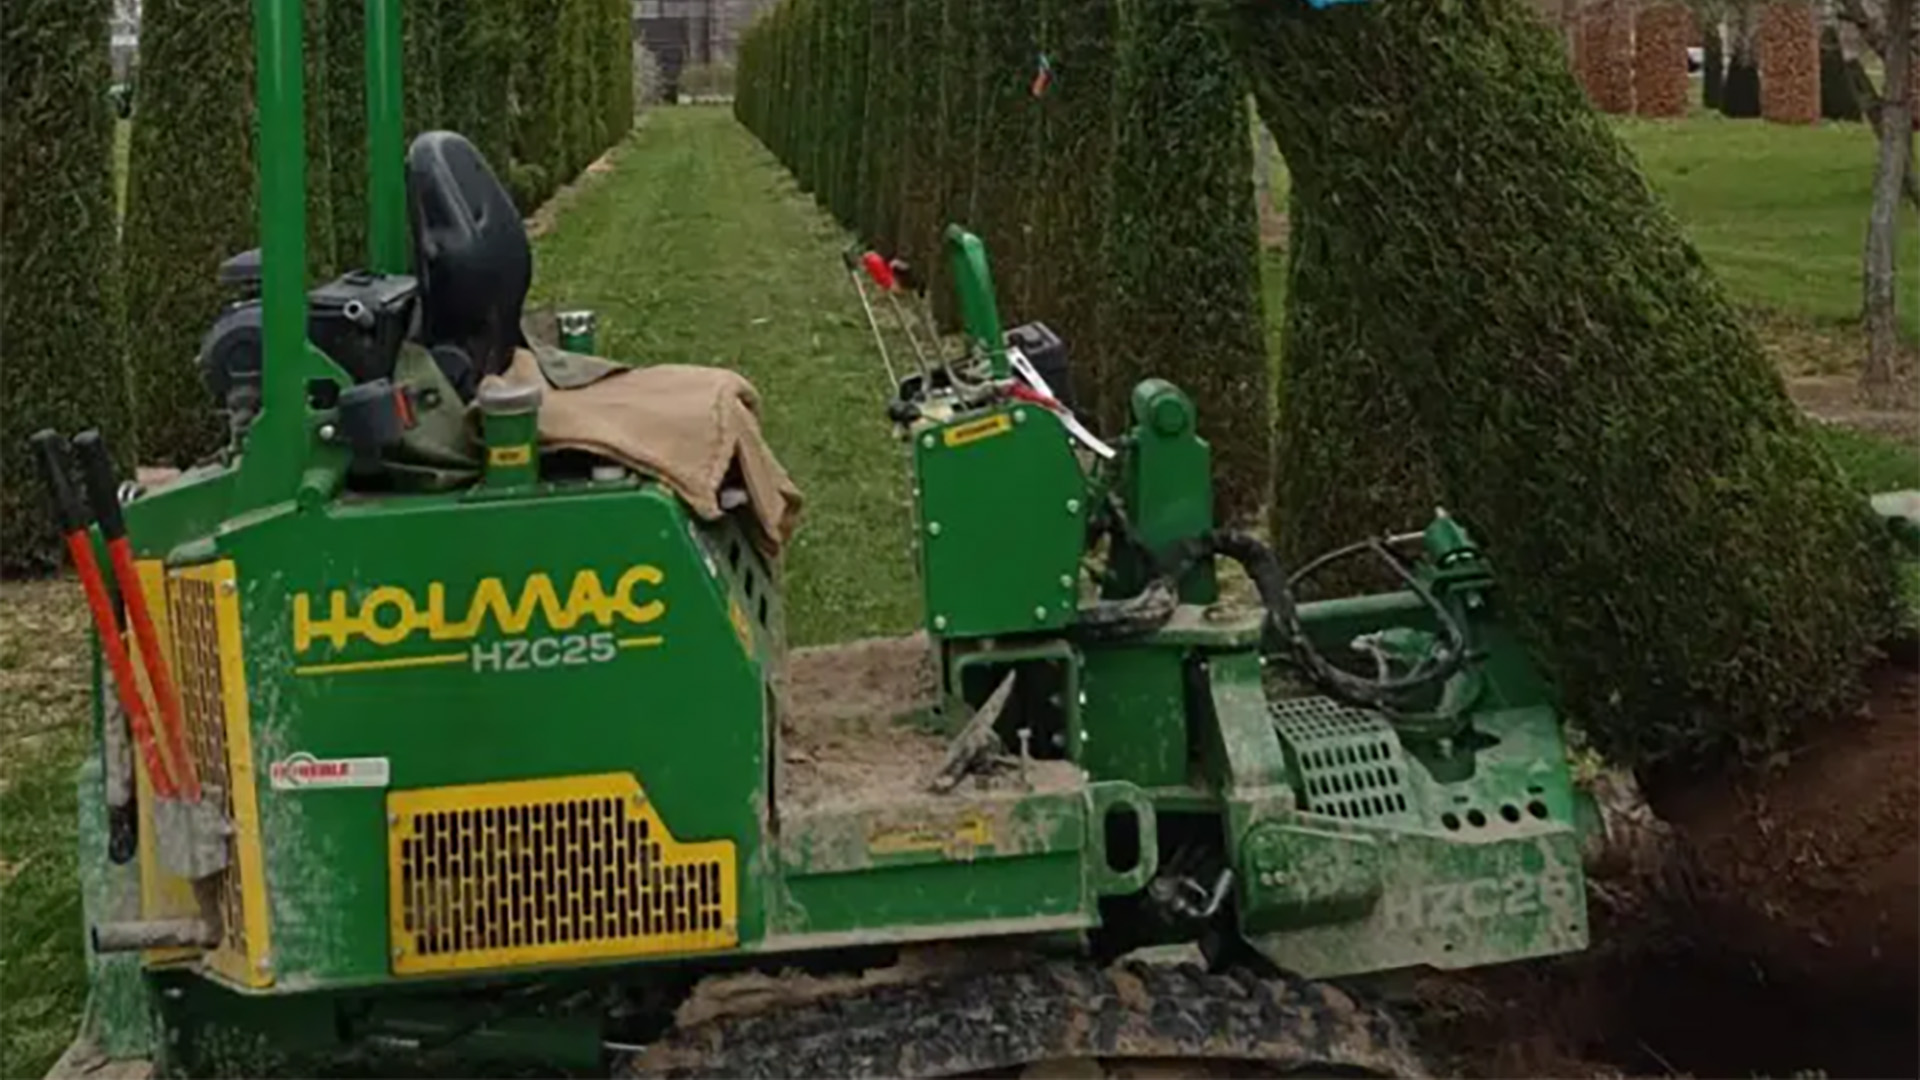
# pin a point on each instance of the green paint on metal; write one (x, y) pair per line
(1166, 484)
(1046, 697)
(118, 1019)
(1133, 725)
(1002, 519)
(1303, 876)
(381, 665)
(1451, 905)
(979, 313)
(388, 238)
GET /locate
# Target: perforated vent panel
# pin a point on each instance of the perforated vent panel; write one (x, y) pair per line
(1350, 761)
(495, 875)
(204, 631)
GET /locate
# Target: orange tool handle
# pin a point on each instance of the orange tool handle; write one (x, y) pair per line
(96, 467)
(80, 546)
(51, 450)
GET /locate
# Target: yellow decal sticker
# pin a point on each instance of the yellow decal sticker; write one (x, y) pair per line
(975, 430)
(955, 839)
(393, 615)
(510, 455)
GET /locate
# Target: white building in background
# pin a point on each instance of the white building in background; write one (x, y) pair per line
(686, 33)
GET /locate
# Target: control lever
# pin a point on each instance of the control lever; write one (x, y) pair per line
(51, 450)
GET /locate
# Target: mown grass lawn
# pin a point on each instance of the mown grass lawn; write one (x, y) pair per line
(697, 248)
(1779, 212)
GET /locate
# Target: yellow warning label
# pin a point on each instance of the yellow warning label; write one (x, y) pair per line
(975, 430)
(510, 455)
(956, 839)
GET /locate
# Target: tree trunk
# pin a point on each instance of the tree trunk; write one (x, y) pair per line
(1713, 68)
(1740, 92)
(1878, 385)
(1490, 305)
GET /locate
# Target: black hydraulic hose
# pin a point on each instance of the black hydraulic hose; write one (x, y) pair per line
(1275, 587)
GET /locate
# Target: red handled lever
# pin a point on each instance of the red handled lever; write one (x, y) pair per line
(878, 269)
(96, 468)
(52, 453)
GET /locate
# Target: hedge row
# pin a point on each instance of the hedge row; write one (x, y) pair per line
(1100, 149)
(1501, 317)
(541, 86)
(57, 325)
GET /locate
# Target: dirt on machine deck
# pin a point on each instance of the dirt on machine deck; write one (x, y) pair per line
(853, 731)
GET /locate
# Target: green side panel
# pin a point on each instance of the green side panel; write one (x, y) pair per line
(671, 696)
(214, 1031)
(1002, 519)
(119, 1018)
(1133, 723)
(1395, 848)
(874, 873)
(1447, 903)
(193, 505)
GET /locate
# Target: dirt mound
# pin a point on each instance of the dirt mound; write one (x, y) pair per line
(1776, 936)
(853, 731)
(1813, 871)
(858, 680)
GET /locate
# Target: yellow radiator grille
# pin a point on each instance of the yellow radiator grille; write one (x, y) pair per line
(196, 651)
(494, 875)
(203, 621)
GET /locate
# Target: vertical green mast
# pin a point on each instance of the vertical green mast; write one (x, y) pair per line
(386, 180)
(271, 467)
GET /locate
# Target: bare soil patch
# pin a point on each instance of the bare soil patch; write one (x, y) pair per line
(849, 734)
(1780, 939)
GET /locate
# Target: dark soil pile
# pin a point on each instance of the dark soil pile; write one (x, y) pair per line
(1779, 939)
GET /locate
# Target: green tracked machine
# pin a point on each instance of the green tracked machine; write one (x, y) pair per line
(450, 751)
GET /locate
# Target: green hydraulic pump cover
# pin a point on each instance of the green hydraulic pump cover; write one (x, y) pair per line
(1002, 520)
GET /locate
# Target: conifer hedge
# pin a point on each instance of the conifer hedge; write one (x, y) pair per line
(851, 118)
(1183, 240)
(190, 206)
(1838, 99)
(321, 243)
(58, 334)
(878, 190)
(1009, 145)
(1561, 370)
(1071, 188)
(957, 139)
(919, 182)
(345, 98)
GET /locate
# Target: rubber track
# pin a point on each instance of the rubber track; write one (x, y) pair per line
(972, 1023)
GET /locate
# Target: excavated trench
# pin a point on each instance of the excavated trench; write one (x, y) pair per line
(1780, 937)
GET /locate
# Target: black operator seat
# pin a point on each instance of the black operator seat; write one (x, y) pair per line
(470, 252)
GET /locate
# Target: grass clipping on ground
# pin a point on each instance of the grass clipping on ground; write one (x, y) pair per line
(1490, 308)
